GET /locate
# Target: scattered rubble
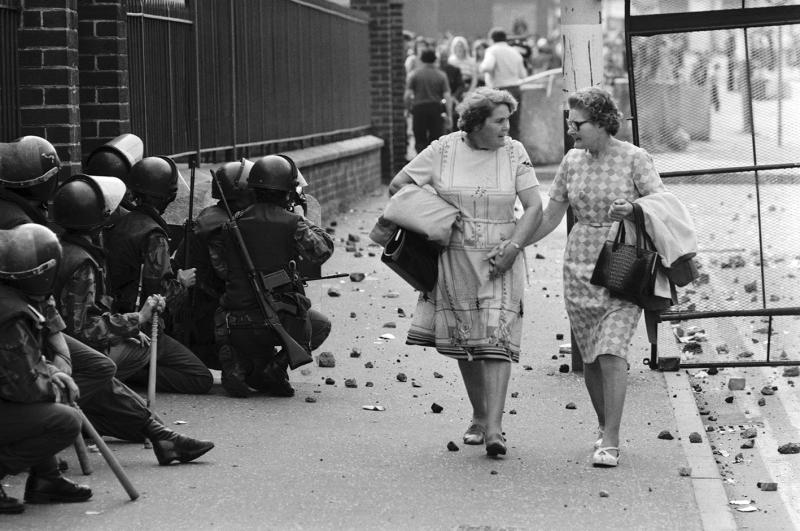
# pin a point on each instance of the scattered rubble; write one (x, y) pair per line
(789, 448)
(665, 435)
(453, 447)
(436, 408)
(736, 384)
(326, 359)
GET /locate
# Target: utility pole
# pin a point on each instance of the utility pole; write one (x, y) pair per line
(582, 40)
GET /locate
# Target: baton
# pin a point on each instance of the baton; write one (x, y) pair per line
(151, 380)
(83, 455)
(107, 455)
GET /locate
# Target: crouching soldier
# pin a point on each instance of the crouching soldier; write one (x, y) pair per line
(139, 266)
(205, 234)
(82, 205)
(35, 426)
(277, 239)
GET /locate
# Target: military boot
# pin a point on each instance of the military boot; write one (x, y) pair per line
(233, 373)
(276, 377)
(170, 446)
(45, 484)
(9, 505)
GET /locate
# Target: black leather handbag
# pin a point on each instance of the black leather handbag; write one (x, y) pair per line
(629, 271)
(414, 258)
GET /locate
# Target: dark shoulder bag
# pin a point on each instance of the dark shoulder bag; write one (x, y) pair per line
(629, 271)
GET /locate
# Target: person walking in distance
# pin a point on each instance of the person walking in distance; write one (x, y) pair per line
(505, 69)
(428, 98)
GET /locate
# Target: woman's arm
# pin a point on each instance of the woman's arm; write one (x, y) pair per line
(505, 253)
(552, 216)
(399, 181)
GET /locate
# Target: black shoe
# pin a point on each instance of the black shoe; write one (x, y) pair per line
(495, 445)
(235, 387)
(55, 489)
(276, 381)
(9, 505)
(170, 446)
(233, 373)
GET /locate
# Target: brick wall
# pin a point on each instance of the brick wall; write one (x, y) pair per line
(48, 77)
(340, 173)
(387, 76)
(103, 61)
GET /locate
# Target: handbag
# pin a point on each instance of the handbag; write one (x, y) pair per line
(414, 258)
(629, 271)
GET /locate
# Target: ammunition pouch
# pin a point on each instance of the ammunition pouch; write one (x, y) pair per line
(292, 309)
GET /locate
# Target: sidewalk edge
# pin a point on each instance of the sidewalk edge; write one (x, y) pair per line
(709, 492)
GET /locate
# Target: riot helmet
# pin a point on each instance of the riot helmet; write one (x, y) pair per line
(233, 178)
(116, 157)
(29, 258)
(273, 172)
(86, 202)
(155, 178)
(29, 165)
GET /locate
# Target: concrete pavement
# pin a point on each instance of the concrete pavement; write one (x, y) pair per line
(321, 461)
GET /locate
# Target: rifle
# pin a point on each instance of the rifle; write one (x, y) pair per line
(326, 277)
(188, 326)
(262, 288)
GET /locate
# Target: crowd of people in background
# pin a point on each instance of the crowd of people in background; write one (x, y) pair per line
(498, 61)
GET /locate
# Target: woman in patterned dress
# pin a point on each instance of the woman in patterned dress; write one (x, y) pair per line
(474, 312)
(598, 178)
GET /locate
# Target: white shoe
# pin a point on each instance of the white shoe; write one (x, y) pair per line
(603, 458)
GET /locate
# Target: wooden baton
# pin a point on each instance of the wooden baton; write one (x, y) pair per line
(108, 455)
(151, 380)
(83, 455)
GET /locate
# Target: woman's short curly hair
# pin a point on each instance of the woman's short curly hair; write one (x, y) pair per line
(479, 104)
(599, 107)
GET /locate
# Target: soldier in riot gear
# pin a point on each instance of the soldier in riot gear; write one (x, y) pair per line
(82, 205)
(116, 158)
(277, 238)
(28, 176)
(206, 233)
(28, 168)
(139, 266)
(35, 425)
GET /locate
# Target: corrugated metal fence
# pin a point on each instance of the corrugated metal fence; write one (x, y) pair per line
(242, 74)
(9, 105)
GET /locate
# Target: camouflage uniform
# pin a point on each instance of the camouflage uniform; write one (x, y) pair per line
(34, 427)
(86, 307)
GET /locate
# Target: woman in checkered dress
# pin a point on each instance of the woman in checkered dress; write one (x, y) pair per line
(598, 178)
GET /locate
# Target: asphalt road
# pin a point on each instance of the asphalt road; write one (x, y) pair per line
(321, 461)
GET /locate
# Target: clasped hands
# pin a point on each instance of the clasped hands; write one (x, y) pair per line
(501, 258)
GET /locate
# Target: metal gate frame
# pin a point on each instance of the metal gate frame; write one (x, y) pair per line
(669, 23)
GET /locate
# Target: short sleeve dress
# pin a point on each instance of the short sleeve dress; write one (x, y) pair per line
(468, 315)
(600, 323)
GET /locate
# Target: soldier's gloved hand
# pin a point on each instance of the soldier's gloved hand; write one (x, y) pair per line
(187, 277)
(302, 202)
(65, 389)
(146, 313)
(161, 302)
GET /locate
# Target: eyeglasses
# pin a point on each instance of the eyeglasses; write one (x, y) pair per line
(576, 125)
